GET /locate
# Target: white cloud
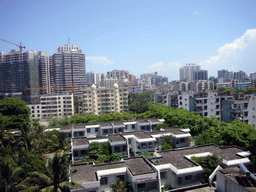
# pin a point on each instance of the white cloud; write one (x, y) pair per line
(159, 67)
(163, 68)
(100, 60)
(170, 70)
(232, 56)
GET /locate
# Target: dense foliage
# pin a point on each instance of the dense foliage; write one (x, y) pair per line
(146, 154)
(138, 103)
(208, 163)
(101, 153)
(21, 156)
(167, 143)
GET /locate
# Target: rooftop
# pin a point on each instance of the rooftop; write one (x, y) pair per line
(87, 172)
(177, 156)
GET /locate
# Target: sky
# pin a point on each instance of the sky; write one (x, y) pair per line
(141, 36)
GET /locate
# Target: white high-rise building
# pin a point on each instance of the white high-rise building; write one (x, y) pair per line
(93, 78)
(186, 72)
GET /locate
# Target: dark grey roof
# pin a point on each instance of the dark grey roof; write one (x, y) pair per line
(142, 121)
(66, 127)
(139, 134)
(177, 156)
(105, 124)
(79, 126)
(138, 166)
(153, 120)
(118, 123)
(115, 138)
(87, 172)
(81, 141)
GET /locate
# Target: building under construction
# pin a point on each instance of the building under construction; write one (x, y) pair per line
(19, 71)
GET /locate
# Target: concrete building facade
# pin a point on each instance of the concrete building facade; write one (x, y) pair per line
(104, 100)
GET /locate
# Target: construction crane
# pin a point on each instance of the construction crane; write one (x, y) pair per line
(72, 89)
(20, 46)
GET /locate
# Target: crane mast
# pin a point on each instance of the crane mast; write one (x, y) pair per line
(20, 45)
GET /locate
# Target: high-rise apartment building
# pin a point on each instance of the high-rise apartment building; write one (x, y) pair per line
(69, 68)
(240, 76)
(186, 72)
(46, 72)
(116, 74)
(200, 75)
(19, 73)
(225, 74)
(93, 78)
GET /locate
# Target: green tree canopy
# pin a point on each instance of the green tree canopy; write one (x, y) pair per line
(15, 113)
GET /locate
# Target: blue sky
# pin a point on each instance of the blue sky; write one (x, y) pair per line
(140, 36)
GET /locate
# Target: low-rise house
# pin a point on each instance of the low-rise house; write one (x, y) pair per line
(172, 168)
(131, 143)
(236, 179)
(137, 171)
(109, 128)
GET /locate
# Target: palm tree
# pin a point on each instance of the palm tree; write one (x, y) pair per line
(8, 175)
(56, 177)
(119, 186)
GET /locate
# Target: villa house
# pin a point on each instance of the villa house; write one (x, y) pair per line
(131, 143)
(173, 168)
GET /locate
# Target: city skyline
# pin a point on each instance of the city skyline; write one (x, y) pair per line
(138, 36)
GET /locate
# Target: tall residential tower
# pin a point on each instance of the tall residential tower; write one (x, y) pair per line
(69, 68)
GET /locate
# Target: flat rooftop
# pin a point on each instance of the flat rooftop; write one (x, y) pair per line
(177, 156)
(88, 172)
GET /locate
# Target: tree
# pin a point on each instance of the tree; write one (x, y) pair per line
(119, 186)
(159, 126)
(167, 143)
(15, 113)
(56, 177)
(8, 176)
(138, 103)
(208, 163)
(54, 141)
(146, 154)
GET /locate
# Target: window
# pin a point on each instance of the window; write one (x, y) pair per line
(141, 185)
(150, 145)
(133, 126)
(96, 130)
(163, 174)
(179, 180)
(143, 145)
(117, 149)
(126, 126)
(104, 181)
(121, 177)
(88, 130)
(205, 107)
(75, 153)
(81, 133)
(83, 152)
(105, 131)
(129, 141)
(182, 140)
(188, 177)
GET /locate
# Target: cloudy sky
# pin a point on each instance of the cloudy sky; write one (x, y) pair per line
(138, 35)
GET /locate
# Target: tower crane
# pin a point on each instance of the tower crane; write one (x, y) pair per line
(20, 46)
